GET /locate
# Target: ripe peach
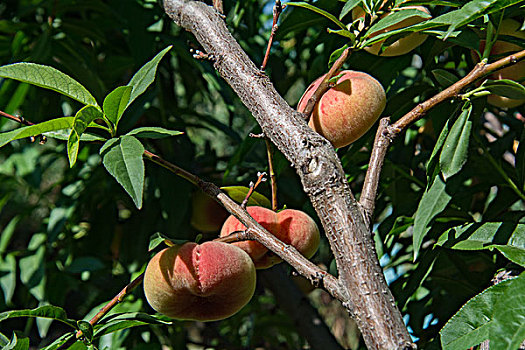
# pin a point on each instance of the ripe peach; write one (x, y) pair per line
(205, 282)
(401, 46)
(293, 227)
(347, 110)
(207, 215)
(500, 49)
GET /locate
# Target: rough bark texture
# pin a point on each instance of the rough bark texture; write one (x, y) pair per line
(364, 290)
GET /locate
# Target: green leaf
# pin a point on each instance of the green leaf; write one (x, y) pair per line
(471, 11)
(432, 203)
(83, 118)
(37, 129)
(319, 11)
(349, 6)
(59, 341)
(7, 234)
(238, 193)
(116, 322)
(472, 323)
(433, 161)
(64, 135)
(8, 274)
(116, 102)
(17, 343)
(507, 237)
(396, 17)
(344, 33)
(158, 238)
(507, 88)
(153, 132)
(48, 311)
(444, 78)
(87, 330)
(336, 54)
(455, 150)
(117, 326)
(145, 76)
(49, 78)
(508, 330)
(122, 158)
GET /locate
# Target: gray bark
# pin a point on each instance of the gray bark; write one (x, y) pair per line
(364, 291)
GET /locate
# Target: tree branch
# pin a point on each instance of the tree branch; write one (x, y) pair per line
(363, 288)
(387, 133)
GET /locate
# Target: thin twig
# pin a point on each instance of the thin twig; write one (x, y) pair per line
(389, 132)
(273, 179)
(325, 84)
(277, 10)
(113, 302)
(480, 70)
(253, 186)
(18, 119)
(236, 236)
(218, 6)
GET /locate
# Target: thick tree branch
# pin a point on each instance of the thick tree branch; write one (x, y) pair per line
(387, 133)
(365, 292)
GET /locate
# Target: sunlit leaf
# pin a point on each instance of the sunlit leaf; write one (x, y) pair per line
(49, 78)
(122, 158)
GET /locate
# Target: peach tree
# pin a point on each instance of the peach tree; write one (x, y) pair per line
(132, 130)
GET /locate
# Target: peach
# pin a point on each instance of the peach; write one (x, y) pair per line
(347, 110)
(293, 227)
(401, 46)
(205, 282)
(500, 49)
(207, 215)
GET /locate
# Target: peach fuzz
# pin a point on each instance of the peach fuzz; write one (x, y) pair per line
(205, 282)
(292, 227)
(347, 110)
(401, 46)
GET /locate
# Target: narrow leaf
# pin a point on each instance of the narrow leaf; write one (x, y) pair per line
(432, 203)
(349, 6)
(48, 311)
(145, 76)
(116, 102)
(472, 323)
(444, 78)
(158, 238)
(153, 132)
(49, 78)
(59, 342)
(122, 158)
(238, 193)
(396, 17)
(83, 118)
(507, 88)
(507, 237)
(319, 11)
(64, 135)
(455, 150)
(37, 129)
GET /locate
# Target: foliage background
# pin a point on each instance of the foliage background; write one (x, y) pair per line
(72, 237)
